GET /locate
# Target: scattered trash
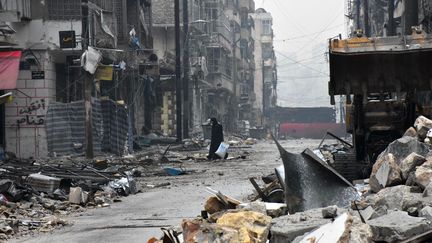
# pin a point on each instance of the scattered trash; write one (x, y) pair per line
(124, 186)
(174, 171)
(43, 183)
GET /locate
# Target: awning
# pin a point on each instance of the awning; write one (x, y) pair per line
(9, 67)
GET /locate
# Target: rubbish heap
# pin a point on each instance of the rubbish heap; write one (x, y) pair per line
(36, 195)
(393, 205)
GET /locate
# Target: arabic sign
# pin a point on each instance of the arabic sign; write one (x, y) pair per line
(67, 39)
(29, 113)
(38, 74)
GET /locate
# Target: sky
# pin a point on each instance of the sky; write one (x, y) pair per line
(302, 30)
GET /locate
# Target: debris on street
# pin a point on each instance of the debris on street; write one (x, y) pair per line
(35, 195)
(319, 204)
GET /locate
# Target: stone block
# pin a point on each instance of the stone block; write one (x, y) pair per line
(396, 226)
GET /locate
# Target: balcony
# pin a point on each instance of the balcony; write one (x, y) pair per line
(218, 40)
(266, 39)
(269, 63)
(16, 10)
(223, 82)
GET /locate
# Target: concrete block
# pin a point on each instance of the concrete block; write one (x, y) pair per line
(385, 172)
(409, 164)
(36, 83)
(11, 111)
(426, 212)
(75, 195)
(287, 228)
(25, 93)
(422, 125)
(44, 92)
(428, 190)
(21, 83)
(423, 174)
(50, 83)
(396, 226)
(24, 74)
(50, 75)
(11, 142)
(17, 101)
(329, 212)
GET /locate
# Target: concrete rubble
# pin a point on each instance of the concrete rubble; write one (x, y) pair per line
(38, 195)
(397, 225)
(394, 203)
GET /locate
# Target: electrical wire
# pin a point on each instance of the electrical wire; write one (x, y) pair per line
(304, 65)
(322, 31)
(280, 9)
(306, 35)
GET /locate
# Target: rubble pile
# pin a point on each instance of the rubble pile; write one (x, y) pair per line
(394, 204)
(37, 196)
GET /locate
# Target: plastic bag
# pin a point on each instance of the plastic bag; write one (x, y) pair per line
(222, 150)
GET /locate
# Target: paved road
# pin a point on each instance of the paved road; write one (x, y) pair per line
(139, 217)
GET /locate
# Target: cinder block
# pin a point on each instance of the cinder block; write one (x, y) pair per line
(45, 92)
(36, 83)
(11, 144)
(21, 84)
(50, 75)
(17, 101)
(24, 74)
(50, 83)
(11, 111)
(25, 93)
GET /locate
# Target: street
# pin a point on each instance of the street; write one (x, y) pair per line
(140, 217)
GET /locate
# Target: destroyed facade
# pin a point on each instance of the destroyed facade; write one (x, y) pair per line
(232, 71)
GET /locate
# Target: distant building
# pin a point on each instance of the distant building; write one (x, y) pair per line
(221, 57)
(265, 78)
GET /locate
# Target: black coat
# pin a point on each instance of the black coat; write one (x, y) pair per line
(216, 139)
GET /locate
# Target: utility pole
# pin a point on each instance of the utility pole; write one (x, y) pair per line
(186, 70)
(178, 85)
(88, 85)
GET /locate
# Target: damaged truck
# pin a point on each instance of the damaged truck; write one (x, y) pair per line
(386, 82)
(382, 70)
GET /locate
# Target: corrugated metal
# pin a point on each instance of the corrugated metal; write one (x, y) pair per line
(65, 126)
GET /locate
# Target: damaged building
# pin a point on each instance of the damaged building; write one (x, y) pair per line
(50, 36)
(223, 80)
(232, 71)
(265, 68)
